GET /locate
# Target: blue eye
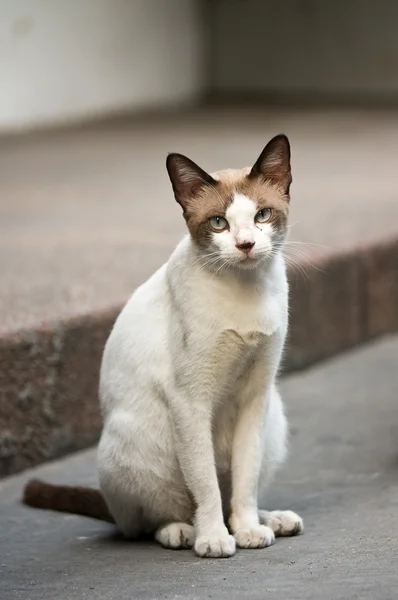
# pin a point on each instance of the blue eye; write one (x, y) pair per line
(263, 215)
(218, 223)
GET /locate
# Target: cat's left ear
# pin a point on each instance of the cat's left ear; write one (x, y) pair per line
(187, 178)
(273, 164)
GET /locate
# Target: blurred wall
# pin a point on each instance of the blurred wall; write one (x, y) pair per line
(346, 48)
(62, 60)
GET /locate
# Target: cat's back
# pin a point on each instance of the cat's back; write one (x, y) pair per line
(138, 339)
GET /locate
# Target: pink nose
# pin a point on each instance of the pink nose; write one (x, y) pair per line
(245, 246)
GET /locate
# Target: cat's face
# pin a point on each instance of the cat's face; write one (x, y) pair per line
(237, 218)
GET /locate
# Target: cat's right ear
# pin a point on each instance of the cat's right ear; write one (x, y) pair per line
(186, 177)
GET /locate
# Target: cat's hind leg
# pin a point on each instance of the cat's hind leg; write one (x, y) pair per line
(152, 512)
(142, 483)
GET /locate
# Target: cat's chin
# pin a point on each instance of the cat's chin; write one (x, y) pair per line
(249, 263)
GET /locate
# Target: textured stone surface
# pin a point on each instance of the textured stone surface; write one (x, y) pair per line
(341, 476)
(380, 292)
(324, 310)
(48, 383)
(87, 215)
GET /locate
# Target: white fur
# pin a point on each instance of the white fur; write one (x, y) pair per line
(242, 228)
(192, 416)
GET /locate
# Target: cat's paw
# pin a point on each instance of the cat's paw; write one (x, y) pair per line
(282, 522)
(176, 536)
(255, 537)
(217, 545)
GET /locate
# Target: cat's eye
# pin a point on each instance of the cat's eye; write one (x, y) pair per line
(263, 215)
(218, 223)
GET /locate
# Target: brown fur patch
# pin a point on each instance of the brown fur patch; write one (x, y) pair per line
(214, 200)
(70, 499)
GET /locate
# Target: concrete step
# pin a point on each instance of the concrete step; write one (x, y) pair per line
(341, 476)
(87, 215)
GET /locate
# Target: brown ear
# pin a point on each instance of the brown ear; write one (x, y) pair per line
(274, 162)
(186, 177)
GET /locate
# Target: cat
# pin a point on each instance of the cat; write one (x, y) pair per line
(193, 423)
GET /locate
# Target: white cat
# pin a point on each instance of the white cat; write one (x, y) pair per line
(193, 423)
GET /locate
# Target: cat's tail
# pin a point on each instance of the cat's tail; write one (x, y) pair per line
(87, 502)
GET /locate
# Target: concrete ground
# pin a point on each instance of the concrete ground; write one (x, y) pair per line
(342, 477)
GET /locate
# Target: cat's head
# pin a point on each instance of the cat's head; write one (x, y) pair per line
(238, 218)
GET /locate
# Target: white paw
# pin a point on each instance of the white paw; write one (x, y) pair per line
(176, 536)
(218, 545)
(282, 522)
(256, 537)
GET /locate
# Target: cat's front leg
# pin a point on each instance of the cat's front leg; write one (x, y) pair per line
(247, 451)
(192, 422)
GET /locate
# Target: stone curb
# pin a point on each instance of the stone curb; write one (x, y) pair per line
(49, 376)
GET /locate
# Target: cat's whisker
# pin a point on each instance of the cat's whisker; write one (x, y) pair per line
(306, 244)
(209, 256)
(297, 257)
(290, 225)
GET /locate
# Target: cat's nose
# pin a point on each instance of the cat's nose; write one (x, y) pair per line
(245, 247)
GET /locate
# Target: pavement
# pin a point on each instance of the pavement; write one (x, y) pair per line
(87, 214)
(341, 476)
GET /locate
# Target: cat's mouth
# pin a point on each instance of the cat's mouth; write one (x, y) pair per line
(251, 257)
(249, 261)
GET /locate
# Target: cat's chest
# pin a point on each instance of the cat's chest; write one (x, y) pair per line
(248, 315)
